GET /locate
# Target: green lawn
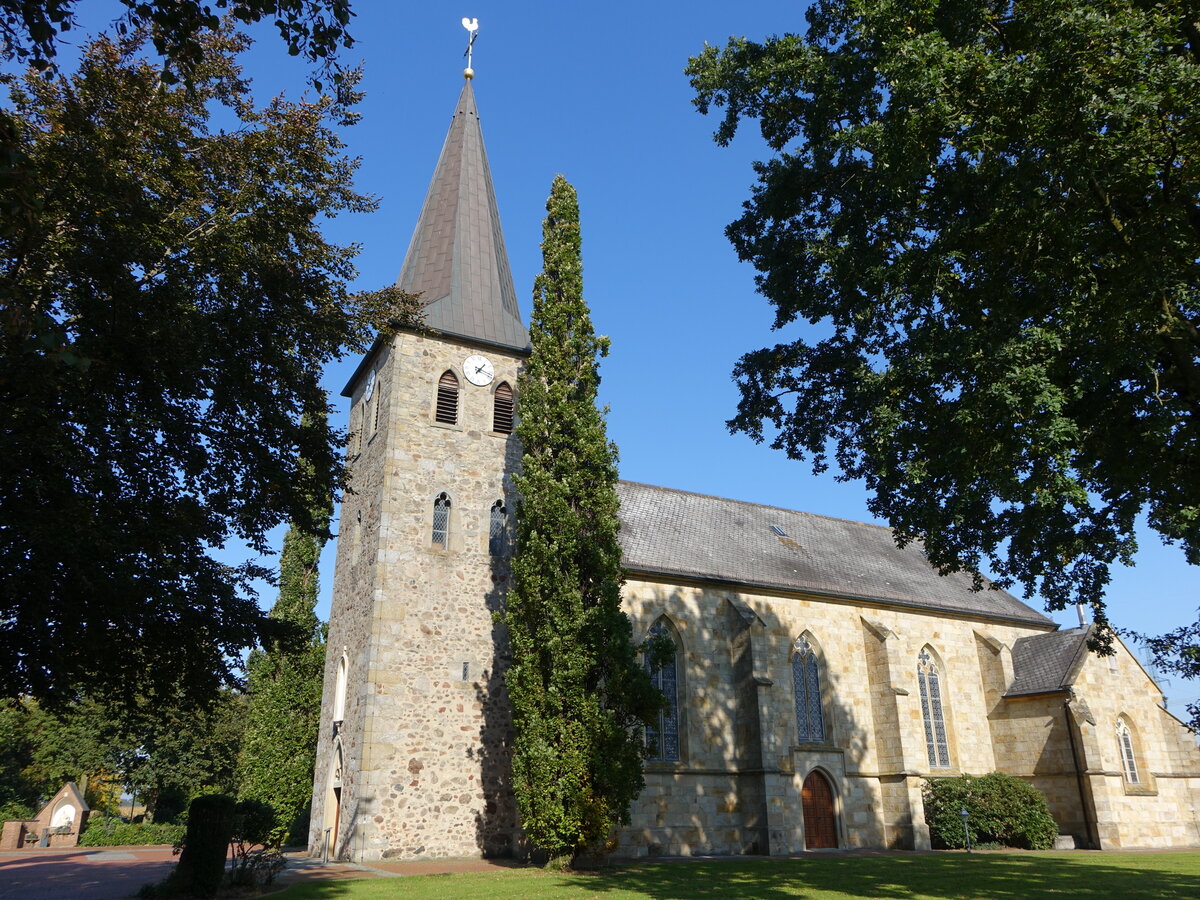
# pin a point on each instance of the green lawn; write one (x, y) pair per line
(1123, 876)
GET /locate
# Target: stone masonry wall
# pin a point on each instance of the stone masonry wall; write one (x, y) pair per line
(426, 770)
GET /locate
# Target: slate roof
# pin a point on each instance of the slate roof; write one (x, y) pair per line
(1046, 663)
(456, 259)
(676, 533)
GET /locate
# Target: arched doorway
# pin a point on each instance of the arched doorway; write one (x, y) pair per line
(820, 823)
(333, 804)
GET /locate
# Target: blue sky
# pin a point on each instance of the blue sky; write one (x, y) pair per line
(596, 92)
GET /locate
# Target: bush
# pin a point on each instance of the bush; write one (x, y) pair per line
(115, 833)
(16, 810)
(1002, 809)
(201, 867)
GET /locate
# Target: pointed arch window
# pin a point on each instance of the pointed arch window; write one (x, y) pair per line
(498, 529)
(806, 682)
(441, 521)
(1128, 760)
(447, 399)
(502, 409)
(662, 737)
(930, 683)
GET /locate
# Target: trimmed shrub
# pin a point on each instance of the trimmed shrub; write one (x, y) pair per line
(115, 833)
(1003, 809)
(201, 868)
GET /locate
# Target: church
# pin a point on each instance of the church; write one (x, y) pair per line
(821, 674)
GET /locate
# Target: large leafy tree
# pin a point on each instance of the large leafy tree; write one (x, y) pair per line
(992, 210)
(167, 304)
(285, 681)
(579, 696)
(30, 30)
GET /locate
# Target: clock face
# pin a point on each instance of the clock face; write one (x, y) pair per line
(478, 370)
(370, 388)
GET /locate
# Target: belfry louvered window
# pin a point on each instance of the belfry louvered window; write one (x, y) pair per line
(806, 682)
(441, 521)
(1128, 762)
(497, 531)
(662, 738)
(930, 683)
(502, 410)
(447, 399)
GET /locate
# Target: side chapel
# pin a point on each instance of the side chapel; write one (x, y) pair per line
(820, 675)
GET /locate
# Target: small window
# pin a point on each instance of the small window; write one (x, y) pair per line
(447, 399)
(662, 738)
(929, 681)
(441, 521)
(779, 531)
(502, 411)
(498, 529)
(375, 411)
(1128, 761)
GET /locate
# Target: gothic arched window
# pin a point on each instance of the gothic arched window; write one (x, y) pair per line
(497, 530)
(806, 682)
(502, 409)
(662, 738)
(441, 521)
(1128, 760)
(447, 399)
(930, 683)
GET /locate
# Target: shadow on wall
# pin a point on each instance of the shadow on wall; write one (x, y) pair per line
(496, 827)
(743, 755)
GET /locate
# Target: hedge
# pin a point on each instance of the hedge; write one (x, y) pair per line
(1003, 810)
(115, 833)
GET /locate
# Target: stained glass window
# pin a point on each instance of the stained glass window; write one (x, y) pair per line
(929, 681)
(806, 682)
(662, 738)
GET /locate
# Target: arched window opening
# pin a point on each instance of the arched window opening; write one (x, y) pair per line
(498, 529)
(375, 411)
(929, 681)
(447, 399)
(441, 521)
(662, 737)
(1128, 762)
(502, 409)
(339, 695)
(806, 681)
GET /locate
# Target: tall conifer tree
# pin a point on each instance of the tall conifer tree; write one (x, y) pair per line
(285, 682)
(579, 696)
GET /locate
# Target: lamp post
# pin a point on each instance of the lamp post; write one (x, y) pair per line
(966, 831)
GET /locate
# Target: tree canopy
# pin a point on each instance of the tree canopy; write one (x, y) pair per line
(992, 211)
(167, 305)
(30, 30)
(279, 747)
(579, 697)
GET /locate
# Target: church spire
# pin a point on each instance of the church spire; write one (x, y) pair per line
(456, 259)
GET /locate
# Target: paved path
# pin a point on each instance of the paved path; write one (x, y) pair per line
(115, 873)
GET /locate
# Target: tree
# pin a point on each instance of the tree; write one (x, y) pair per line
(167, 305)
(31, 31)
(285, 681)
(579, 696)
(993, 211)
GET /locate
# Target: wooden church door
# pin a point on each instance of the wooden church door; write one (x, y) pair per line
(820, 824)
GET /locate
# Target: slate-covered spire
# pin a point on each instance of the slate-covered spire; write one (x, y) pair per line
(456, 259)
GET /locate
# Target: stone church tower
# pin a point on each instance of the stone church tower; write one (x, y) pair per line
(412, 758)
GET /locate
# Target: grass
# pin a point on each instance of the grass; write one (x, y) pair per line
(1019, 876)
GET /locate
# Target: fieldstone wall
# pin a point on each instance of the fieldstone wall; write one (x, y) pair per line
(424, 738)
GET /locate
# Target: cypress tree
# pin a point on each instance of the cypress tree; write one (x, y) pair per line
(579, 696)
(285, 681)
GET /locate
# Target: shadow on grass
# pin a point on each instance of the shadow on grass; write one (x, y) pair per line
(936, 875)
(1079, 875)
